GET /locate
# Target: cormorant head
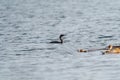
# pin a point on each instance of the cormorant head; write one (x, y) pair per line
(62, 35)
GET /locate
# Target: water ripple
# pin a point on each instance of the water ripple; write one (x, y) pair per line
(103, 36)
(27, 25)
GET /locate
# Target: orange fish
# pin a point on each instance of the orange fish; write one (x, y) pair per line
(109, 49)
(113, 49)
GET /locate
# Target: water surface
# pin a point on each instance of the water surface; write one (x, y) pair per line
(27, 27)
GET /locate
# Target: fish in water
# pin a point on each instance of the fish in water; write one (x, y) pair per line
(109, 49)
(113, 49)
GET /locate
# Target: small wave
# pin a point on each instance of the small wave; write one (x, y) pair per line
(19, 54)
(33, 49)
(1, 34)
(51, 48)
(105, 36)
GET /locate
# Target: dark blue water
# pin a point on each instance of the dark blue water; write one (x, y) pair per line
(27, 27)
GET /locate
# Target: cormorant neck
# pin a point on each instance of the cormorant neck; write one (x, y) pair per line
(61, 40)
